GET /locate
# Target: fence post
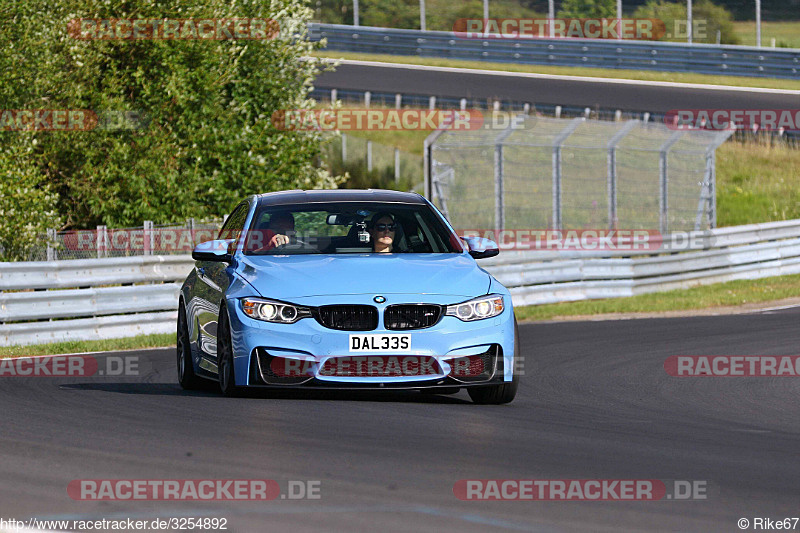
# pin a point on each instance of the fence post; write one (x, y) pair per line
(557, 142)
(398, 101)
(612, 170)
(367, 98)
(334, 95)
(51, 241)
(663, 181)
(432, 103)
(711, 161)
(427, 162)
(463, 104)
(369, 155)
(396, 165)
(148, 237)
(190, 224)
(102, 241)
(344, 148)
(499, 180)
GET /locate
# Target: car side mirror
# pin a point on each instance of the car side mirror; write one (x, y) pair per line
(480, 248)
(216, 250)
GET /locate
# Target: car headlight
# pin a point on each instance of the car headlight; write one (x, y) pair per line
(272, 311)
(477, 309)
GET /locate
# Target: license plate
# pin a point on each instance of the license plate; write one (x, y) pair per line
(380, 343)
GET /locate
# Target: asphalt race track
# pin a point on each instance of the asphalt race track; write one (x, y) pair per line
(595, 403)
(605, 94)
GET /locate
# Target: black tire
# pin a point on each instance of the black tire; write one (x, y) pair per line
(187, 379)
(504, 392)
(225, 368)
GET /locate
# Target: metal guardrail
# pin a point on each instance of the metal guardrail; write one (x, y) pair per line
(34, 308)
(639, 55)
(104, 298)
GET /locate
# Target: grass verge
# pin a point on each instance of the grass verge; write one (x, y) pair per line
(786, 33)
(677, 77)
(130, 343)
(732, 293)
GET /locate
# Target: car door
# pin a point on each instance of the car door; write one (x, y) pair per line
(213, 280)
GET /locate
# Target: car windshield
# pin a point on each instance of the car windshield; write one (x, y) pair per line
(348, 227)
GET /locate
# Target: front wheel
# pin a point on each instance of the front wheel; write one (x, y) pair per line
(187, 379)
(227, 373)
(504, 392)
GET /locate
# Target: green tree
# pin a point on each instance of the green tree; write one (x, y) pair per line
(204, 137)
(27, 205)
(708, 19)
(588, 9)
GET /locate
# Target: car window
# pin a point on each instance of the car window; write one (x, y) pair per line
(345, 227)
(235, 224)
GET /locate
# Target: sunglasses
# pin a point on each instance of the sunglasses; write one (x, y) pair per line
(384, 227)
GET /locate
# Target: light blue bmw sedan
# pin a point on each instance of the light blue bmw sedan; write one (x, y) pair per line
(347, 289)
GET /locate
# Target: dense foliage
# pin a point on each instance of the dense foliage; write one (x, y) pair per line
(711, 17)
(196, 134)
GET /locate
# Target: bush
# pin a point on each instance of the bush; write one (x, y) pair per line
(27, 205)
(715, 17)
(207, 139)
(588, 9)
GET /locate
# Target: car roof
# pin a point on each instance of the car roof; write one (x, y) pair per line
(338, 195)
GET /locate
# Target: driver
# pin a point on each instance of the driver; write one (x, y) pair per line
(382, 230)
(279, 225)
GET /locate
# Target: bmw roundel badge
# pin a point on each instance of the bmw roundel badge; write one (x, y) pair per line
(379, 299)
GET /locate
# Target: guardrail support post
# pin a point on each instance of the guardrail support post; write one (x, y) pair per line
(398, 101)
(367, 98)
(334, 95)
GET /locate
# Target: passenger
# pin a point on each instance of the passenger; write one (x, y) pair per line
(382, 230)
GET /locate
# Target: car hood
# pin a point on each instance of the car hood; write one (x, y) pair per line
(292, 276)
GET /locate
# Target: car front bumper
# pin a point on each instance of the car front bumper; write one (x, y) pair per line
(307, 344)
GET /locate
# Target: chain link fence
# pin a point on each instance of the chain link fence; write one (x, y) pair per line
(347, 152)
(148, 239)
(550, 173)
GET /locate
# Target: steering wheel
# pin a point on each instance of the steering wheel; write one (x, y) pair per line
(293, 242)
